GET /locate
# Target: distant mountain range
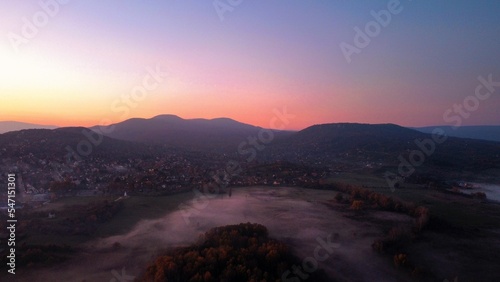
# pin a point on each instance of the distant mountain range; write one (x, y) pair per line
(354, 144)
(484, 132)
(342, 144)
(171, 128)
(7, 126)
(220, 134)
(348, 139)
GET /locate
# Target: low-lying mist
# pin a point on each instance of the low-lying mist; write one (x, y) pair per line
(294, 215)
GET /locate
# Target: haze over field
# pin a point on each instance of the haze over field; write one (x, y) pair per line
(291, 214)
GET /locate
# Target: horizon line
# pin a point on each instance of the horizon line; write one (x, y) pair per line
(201, 118)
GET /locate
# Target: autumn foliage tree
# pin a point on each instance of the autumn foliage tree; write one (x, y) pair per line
(357, 205)
(242, 252)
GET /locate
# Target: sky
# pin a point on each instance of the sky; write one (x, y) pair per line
(412, 63)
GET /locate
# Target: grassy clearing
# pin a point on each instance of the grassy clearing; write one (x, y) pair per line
(137, 208)
(360, 179)
(456, 210)
(61, 203)
(462, 238)
(46, 239)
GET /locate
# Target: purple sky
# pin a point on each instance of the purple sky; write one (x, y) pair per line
(418, 68)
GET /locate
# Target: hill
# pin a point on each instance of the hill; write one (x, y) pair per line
(344, 146)
(58, 143)
(490, 133)
(8, 126)
(220, 134)
(379, 145)
(346, 140)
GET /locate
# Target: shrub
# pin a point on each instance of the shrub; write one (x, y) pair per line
(357, 205)
(400, 259)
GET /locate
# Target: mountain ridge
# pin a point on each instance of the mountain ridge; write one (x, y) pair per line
(380, 146)
(218, 134)
(347, 145)
(9, 126)
(479, 132)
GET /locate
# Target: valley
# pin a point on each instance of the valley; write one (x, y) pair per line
(127, 205)
(146, 226)
(250, 141)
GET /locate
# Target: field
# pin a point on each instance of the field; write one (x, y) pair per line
(134, 209)
(457, 210)
(463, 234)
(462, 231)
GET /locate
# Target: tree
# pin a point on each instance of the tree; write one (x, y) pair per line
(357, 205)
(400, 259)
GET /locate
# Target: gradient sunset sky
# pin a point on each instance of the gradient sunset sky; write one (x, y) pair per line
(263, 55)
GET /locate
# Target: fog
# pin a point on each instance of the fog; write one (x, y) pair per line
(492, 191)
(294, 215)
